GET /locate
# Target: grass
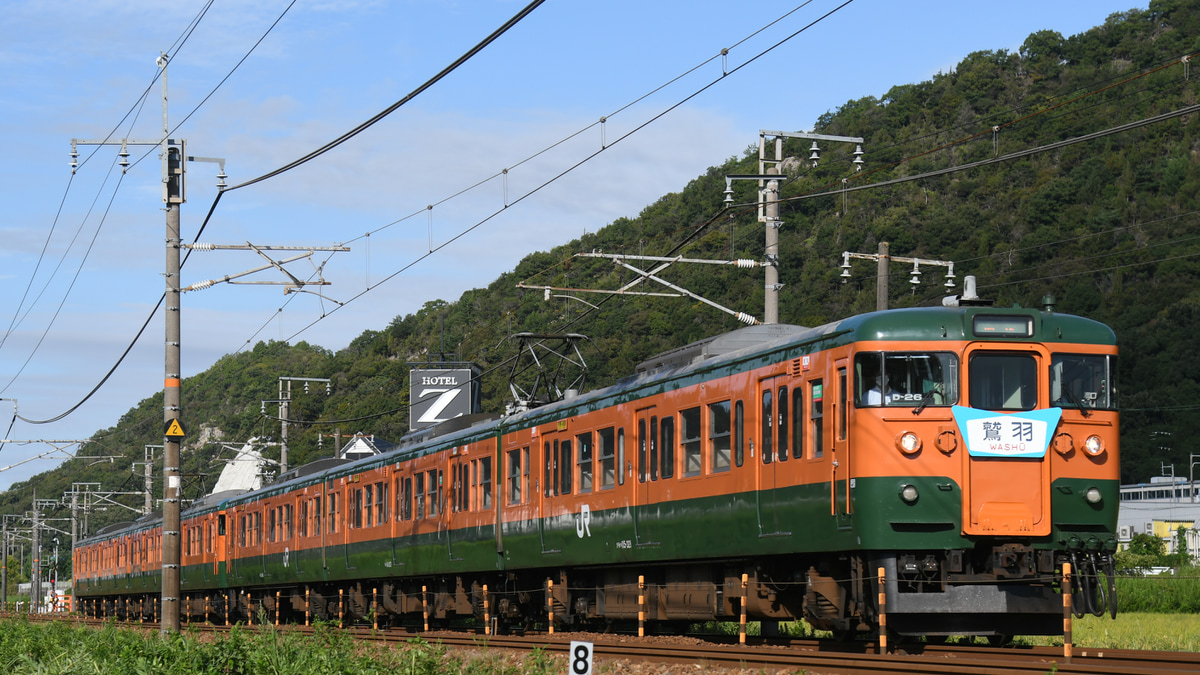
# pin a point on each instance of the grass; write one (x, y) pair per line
(58, 648)
(54, 648)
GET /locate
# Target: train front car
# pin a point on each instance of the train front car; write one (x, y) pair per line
(983, 455)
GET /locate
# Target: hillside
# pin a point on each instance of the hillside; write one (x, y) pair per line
(1107, 226)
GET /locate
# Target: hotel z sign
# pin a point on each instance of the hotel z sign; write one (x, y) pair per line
(437, 396)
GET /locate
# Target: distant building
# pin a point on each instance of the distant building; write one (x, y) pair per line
(1160, 508)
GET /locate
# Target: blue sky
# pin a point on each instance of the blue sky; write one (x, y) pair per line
(70, 69)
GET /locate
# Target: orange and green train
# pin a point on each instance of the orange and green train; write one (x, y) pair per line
(968, 452)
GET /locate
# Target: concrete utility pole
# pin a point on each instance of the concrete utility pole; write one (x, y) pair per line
(35, 577)
(174, 163)
(285, 412)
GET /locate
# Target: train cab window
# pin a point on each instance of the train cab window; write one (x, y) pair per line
(739, 433)
(566, 465)
(767, 417)
(719, 436)
(1083, 381)
(666, 447)
(1002, 381)
(908, 379)
(585, 462)
(608, 466)
(690, 437)
(816, 416)
(797, 422)
(514, 476)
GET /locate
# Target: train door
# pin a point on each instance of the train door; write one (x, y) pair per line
(646, 430)
(1006, 492)
(837, 429)
(549, 462)
(771, 434)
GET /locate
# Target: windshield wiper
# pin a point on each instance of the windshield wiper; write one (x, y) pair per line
(927, 398)
(1075, 402)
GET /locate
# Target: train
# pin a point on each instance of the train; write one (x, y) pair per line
(940, 464)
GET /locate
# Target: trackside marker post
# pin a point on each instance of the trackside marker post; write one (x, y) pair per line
(883, 646)
(1066, 593)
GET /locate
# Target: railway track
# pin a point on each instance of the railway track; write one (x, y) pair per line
(689, 654)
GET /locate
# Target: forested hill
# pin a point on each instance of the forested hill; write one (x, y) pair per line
(1110, 226)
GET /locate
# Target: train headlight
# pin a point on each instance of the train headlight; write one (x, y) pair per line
(909, 494)
(1093, 446)
(908, 442)
(1093, 496)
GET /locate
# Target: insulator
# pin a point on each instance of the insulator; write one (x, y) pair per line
(201, 246)
(743, 263)
(201, 285)
(746, 319)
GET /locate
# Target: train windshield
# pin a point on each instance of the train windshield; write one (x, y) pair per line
(1082, 381)
(908, 379)
(1003, 381)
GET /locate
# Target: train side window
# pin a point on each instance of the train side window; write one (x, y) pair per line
(221, 525)
(566, 465)
(641, 460)
(317, 506)
(485, 481)
(514, 476)
(719, 436)
(842, 405)
(419, 493)
(667, 446)
(781, 432)
(406, 498)
(608, 472)
(621, 456)
(548, 472)
(381, 503)
(289, 522)
(690, 437)
(767, 417)
(652, 439)
(525, 471)
(797, 422)
(816, 417)
(369, 506)
(739, 433)
(270, 525)
(435, 493)
(303, 519)
(585, 462)
(335, 512)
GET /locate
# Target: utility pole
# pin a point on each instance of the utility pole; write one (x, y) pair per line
(285, 411)
(174, 158)
(35, 577)
(882, 260)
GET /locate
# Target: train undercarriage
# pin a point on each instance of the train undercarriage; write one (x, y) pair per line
(997, 592)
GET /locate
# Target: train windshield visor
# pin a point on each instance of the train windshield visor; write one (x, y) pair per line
(1082, 381)
(906, 379)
